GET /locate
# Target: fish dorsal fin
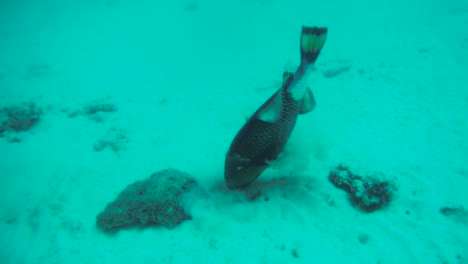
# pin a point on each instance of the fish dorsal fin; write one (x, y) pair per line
(308, 102)
(271, 110)
(288, 77)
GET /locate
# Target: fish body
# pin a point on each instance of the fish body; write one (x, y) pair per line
(264, 135)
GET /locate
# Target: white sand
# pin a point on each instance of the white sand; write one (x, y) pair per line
(185, 75)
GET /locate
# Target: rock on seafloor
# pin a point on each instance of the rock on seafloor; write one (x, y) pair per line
(97, 110)
(162, 199)
(370, 192)
(458, 213)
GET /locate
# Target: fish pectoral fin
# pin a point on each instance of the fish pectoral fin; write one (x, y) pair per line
(271, 110)
(308, 102)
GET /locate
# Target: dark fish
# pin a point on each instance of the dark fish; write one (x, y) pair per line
(265, 134)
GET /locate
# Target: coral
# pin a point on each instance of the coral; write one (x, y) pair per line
(96, 110)
(158, 200)
(19, 117)
(96, 107)
(367, 192)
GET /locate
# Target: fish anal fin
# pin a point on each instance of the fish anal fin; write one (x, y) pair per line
(308, 102)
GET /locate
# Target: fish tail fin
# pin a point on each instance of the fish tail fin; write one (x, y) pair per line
(312, 40)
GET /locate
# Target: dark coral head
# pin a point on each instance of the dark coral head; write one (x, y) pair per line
(113, 218)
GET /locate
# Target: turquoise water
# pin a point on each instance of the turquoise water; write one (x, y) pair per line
(174, 81)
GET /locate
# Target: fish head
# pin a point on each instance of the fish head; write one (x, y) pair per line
(240, 172)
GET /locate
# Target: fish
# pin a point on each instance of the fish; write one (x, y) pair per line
(265, 134)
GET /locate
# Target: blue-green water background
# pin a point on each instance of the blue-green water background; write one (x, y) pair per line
(391, 90)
